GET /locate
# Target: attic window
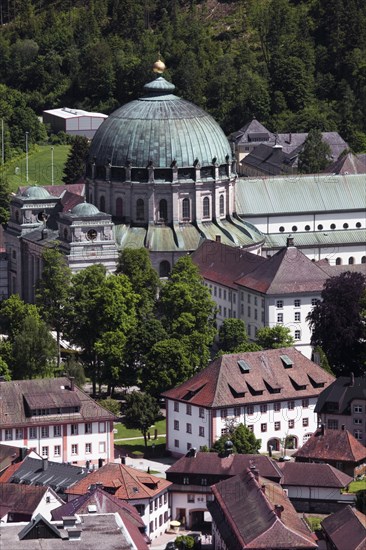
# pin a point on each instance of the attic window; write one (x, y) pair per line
(316, 383)
(92, 508)
(192, 392)
(253, 391)
(135, 489)
(272, 389)
(243, 366)
(287, 362)
(236, 393)
(297, 386)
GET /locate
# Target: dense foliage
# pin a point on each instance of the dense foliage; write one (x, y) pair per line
(242, 438)
(294, 65)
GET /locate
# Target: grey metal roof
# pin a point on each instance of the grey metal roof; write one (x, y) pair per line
(159, 127)
(317, 238)
(296, 194)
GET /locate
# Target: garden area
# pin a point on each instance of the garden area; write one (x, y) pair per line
(130, 442)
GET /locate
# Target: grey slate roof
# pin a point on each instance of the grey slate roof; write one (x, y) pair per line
(342, 391)
(311, 474)
(298, 194)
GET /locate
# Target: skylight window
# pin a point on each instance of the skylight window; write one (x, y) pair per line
(243, 366)
(287, 362)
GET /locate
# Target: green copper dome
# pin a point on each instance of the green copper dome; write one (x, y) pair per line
(84, 209)
(35, 192)
(159, 128)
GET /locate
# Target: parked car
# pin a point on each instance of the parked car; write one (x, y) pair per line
(170, 545)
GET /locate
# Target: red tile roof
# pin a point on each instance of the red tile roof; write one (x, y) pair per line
(224, 383)
(21, 499)
(287, 271)
(223, 264)
(125, 482)
(231, 465)
(311, 474)
(46, 393)
(346, 529)
(246, 518)
(333, 445)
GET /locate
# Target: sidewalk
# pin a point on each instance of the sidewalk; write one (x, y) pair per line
(161, 542)
(157, 467)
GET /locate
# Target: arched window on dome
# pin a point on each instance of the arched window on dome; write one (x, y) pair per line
(119, 207)
(140, 210)
(363, 260)
(102, 203)
(206, 207)
(163, 210)
(222, 205)
(351, 260)
(186, 209)
(339, 261)
(164, 269)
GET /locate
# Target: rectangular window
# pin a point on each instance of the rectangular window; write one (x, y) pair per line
(224, 311)
(176, 424)
(263, 427)
(263, 407)
(255, 314)
(189, 410)
(102, 446)
(57, 450)
(255, 300)
(332, 424)
(57, 431)
(290, 405)
(165, 498)
(236, 411)
(250, 409)
(357, 420)
(224, 294)
(176, 442)
(176, 406)
(189, 446)
(279, 304)
(314, 301)
(44, 451)
(277, 406)
(297, 316)
(32, 433)
(74, 429)
(297, 335)
(242, 309)
(101, 427)
(358, 434)
(305, 403)
(88, 428)
(44, 431)
(160, 520)
(8, 434)
(297, 303)
(220, 310)
(277, 426)
(249, 298)
(88, 448)
(74, 449)
(201, 431)
(220, 292)
(305, 422)
(223, 413)
(291, 423)
(19, 433)
(279, 317)
(190, 498)
(357, 409)
(201, 413)
(249, 330)
(249, 311)
(151, 525)
(215, 291)
(189, 428)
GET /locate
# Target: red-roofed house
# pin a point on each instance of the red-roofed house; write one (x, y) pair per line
(251, 512)
(147, 493)
(273, 392)
(24, 502)
(345, 530)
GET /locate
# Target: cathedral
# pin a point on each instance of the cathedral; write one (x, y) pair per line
(161, 175)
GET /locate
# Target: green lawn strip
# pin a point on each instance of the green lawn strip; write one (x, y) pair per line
(39, 167)
(128, 448)
(355, 486)
(314, 522)
(124, 433)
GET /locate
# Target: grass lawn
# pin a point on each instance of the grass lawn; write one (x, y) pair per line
(129, 447)
(313, 522)
(124, 433)
(39, 167)
(355, 486)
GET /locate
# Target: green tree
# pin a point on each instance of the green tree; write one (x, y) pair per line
(111, 405)
(34, 350)
(73, 367)
(315, 155)
(184, 542)
(135, 263)
(52, 291)
(75, 163)
(12, 313)
(232, 334)
(4, 198)
(274, 337)
(141, 412)
(242, 438)
(5, 373)
(361, 501)
(338, 323)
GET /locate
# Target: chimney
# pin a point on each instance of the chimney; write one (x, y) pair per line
(289, 242)
(218, 238)
(352, 383)
(278, 510)
(254, 471)
(72, 383)
(44, 464)
(263, 489)
(343, 427)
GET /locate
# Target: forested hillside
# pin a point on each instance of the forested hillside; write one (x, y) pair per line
(293, 64)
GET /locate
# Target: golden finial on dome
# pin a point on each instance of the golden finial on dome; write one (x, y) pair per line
(159, 66)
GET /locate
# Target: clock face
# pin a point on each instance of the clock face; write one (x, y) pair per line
(91, 235)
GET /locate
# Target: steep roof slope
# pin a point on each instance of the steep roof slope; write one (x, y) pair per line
(339, 445)
(346, 529)
(312, 474)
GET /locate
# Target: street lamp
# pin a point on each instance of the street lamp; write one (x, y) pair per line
(26, 157)
(52, 178)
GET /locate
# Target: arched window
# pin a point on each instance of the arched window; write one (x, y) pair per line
(206, 207)
(281, 229)
(320, 227)
(140, 210)
(222, 205)
(102, 203)
(339, 261)
(307, 227)
(164, 269)
(119, 207)
(363, 260)
(294, 228)
(163, 210)
(351, 260)
(345, 226)
(186, 209)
